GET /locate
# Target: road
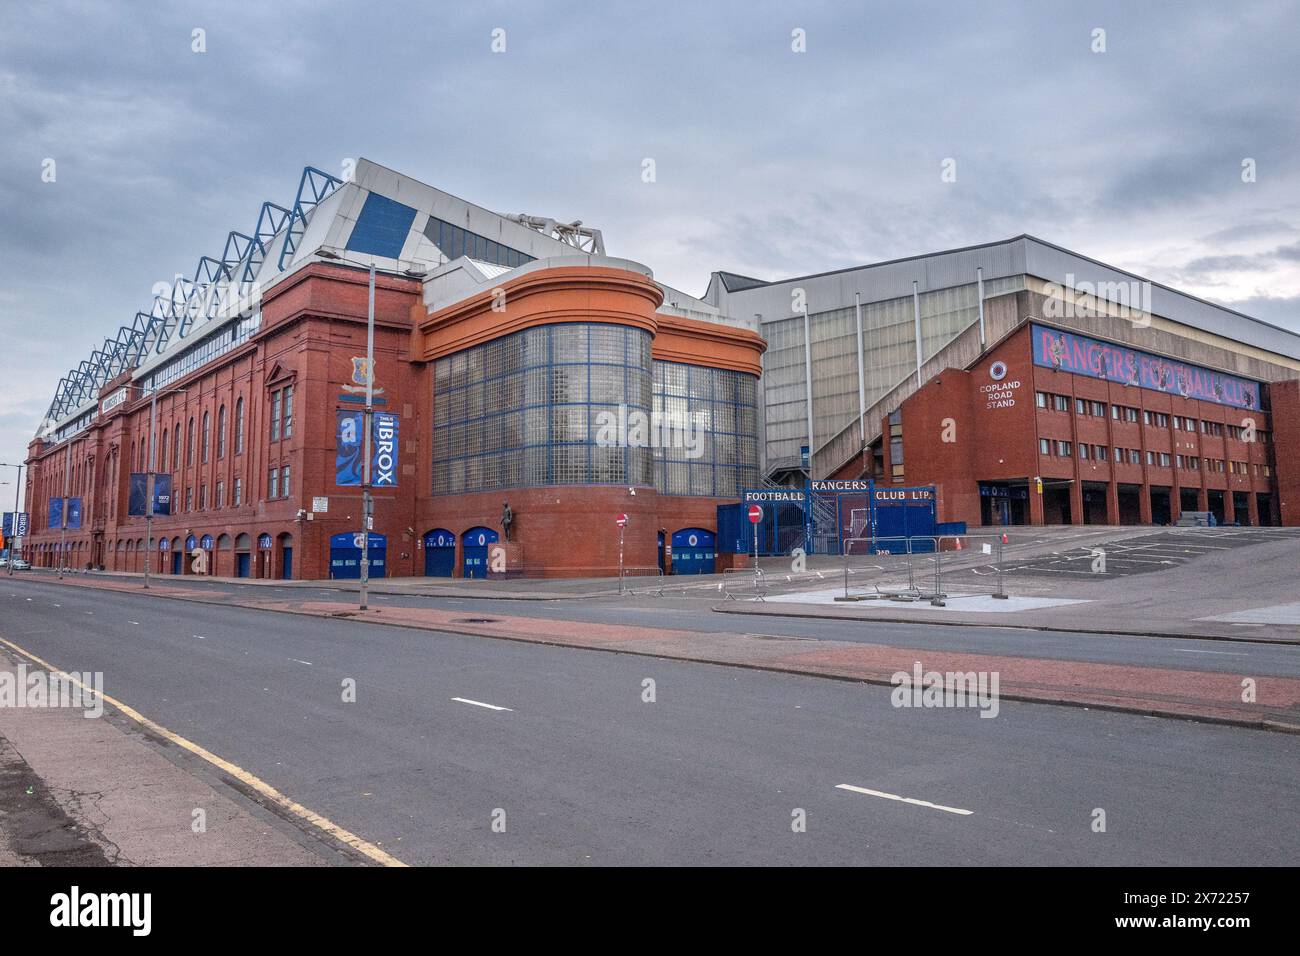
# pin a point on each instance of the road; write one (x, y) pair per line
(695, 614)
(710, 773)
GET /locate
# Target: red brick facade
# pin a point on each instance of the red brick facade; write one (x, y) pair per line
(964, 428)
(313, 325)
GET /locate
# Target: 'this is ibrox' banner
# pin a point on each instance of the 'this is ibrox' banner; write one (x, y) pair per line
(347, 452)
(1084, 356)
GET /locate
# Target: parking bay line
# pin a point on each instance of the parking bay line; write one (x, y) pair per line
(911, 800)
(479, 703)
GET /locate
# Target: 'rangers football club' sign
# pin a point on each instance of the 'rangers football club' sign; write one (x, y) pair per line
(1115, 363)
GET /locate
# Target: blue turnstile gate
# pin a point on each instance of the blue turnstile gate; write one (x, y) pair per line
(474, 545)
(345, 555)
(439, 553)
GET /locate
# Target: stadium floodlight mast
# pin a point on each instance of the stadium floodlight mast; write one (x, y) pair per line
(18, 485)
(418, 270)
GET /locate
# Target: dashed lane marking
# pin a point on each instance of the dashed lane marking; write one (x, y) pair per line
(479, 703)
(911, 800)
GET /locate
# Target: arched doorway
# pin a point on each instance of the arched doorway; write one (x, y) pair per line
(474, 550)
(220, 560)
(243, 555)
(285, 543)
(439, 553)
(265, 545)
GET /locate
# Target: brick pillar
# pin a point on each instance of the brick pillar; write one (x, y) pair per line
(1144, 504)
(1035, 504)
(1252, 508)
(1112, 502)
(1076, 501)
(1229, 509)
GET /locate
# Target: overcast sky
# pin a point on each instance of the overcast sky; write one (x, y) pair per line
(768, 162)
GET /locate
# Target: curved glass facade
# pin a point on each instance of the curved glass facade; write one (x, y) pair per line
(721, 456)
(522, 410)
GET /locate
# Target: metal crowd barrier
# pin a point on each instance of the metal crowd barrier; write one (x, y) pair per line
(732, 583)
(908, 554)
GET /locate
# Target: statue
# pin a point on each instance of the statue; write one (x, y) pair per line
(507, 518)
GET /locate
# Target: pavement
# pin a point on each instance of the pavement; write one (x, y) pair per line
(79, 791)
(456, 749)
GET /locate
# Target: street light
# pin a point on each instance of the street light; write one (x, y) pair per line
(17, 488)
(419, 271)
(149, 479)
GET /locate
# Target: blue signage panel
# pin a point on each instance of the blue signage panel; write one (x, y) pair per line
(191, 543)
(383, 467)
(758, 496)
(21, 531)
(205, 542)
(56, 512)
(1084, 356)
(74, 512)
(8, 528)
(164, 544)
(347, 448)
(138, 490)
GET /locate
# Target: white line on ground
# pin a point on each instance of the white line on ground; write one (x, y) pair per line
(136, 623)
(479, 703)
(1188, 650)
(894, 796)
(200, 637)
(296, 661)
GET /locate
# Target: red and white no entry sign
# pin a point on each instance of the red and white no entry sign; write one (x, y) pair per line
(755, 514)
(621, 520)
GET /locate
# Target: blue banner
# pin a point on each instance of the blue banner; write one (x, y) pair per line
(138, 490)
(1115, 363)
(347, 448)
(74, 512)
(56, 512)
(383, 468)
(8, 528)
(21, 531)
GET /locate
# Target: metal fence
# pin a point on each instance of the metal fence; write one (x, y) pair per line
(913, 568)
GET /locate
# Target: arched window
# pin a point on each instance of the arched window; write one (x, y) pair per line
(239, 427)
(221, 432)
(207, 431)
(189, 444)
(162, 452)
(176, 448)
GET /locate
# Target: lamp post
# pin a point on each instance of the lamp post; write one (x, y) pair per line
(63, 511)
(367, 499)
(18, 485)
(149, 478)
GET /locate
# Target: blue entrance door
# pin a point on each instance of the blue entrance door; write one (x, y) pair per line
(177, 558)
(287, 563)
(345, 555)
(694, 550)
(439, 553)
(475, 543)
(241, 564)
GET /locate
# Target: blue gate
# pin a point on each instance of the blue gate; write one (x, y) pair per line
(474, 543)
(439, 553)
(694, 550)
(345, 555)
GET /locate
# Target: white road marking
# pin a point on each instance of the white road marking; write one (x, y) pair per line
(894, 796)
(296, 661)
(58, 605)
(1188, 650)
(136, 623)
(200, 637)
(479, 703)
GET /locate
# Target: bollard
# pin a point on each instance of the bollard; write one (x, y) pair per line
(937, 600)
(1001, 591)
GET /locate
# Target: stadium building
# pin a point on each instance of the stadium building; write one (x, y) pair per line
(515, 364)
(530, 391)
(1029, 385)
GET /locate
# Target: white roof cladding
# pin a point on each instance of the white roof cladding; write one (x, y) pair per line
(1023, 255)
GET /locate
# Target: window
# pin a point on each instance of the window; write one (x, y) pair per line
(1146, 417)
(203, 497)
(1134, 456)
(239, 427)
(207, 431)
(1099, 409)
(237, 498)
(1119, 455)
(1044, 446)
(275, 417)
(1151, 458)
(189, 444)
(1061, 403)
(1083, 451)
(284, 482)
(176, 449)
(1164, 459)
(1040, 399)
(220, 499)
(1080, 407)
(273, 483)
(288, 411)
(189, 498)
(1064, 449)
(221, 432)
(162, 465)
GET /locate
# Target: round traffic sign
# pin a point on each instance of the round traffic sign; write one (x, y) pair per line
(621, 520)
(755, 513)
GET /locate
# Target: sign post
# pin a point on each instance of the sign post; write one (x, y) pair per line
(755, 516)
(621, 521)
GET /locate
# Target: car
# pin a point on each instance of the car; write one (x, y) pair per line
(20, 565)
